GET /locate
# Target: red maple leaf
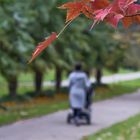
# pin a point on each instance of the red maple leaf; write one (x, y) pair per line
(116, 11)
(74, 9)
(132, 15)
(99, 4)
(43, 45)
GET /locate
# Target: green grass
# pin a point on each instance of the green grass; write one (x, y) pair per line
(28, 77)
(116, 89)
(26, 110)
(120, 71)
(127, 130)
(131, 83)
(26, 106)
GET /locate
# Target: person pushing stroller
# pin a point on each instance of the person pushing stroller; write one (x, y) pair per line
(78, 85)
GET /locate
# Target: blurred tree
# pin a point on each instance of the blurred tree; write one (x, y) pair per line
(69, 49)
(30, 18)
(132, 54)
(21, 24)
(40, 12)
(108, 51)
(13, 40)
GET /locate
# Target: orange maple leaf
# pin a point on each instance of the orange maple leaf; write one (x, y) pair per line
(127, 21)
(132, 15)
(74, 9)
(99, 4)
(43, 45)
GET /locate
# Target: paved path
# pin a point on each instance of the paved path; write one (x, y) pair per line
(54, 126)
(112, 78)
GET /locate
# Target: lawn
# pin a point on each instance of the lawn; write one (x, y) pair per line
(31, 107)
(127, 130)
(120, 71)
(29, 76)
(116, 89)
(28, 106)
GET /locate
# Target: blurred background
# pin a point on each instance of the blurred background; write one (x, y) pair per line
(28, 90)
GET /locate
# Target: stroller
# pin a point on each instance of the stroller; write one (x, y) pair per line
(85, 114)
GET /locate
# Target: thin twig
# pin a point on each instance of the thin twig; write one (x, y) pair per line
(138, 14)
(64, 28)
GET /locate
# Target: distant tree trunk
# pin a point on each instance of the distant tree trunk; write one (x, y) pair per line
(58, 78)
(12, 86)
(38, 81)
(98, 75)
(88, 72)
(3, 107)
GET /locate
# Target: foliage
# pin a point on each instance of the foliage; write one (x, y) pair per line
(108, 51)
(103, 10)
(132, 54)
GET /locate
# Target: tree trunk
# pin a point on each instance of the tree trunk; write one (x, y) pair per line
(38, 81)
(88, 72)
(98, 76)
(58, 78)
(12, 86)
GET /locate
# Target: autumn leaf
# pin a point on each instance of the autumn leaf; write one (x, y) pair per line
(88, 12)
(132, 15)
(43, 45)
(74, 9)
(114, 19)
(116, 11)
(99, 4)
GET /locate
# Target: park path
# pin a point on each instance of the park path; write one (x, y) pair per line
(106, 79)
(54, 126)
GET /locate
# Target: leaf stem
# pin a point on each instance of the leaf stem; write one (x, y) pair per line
(137, 14)
(64, 28)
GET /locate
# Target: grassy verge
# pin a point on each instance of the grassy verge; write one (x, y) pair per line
(29, 77)
(120, 71)
(116, 89)
(34, 107)
(26, 106)
(127, 130)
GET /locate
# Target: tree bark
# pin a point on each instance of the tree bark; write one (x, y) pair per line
(12, 86)
(38, 81)
(58, 78)
(98, 76)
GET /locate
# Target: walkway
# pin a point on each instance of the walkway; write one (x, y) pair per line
(54, 126)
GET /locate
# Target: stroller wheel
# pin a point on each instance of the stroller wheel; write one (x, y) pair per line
(76, 121)
(69, 117)
(88, 119)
